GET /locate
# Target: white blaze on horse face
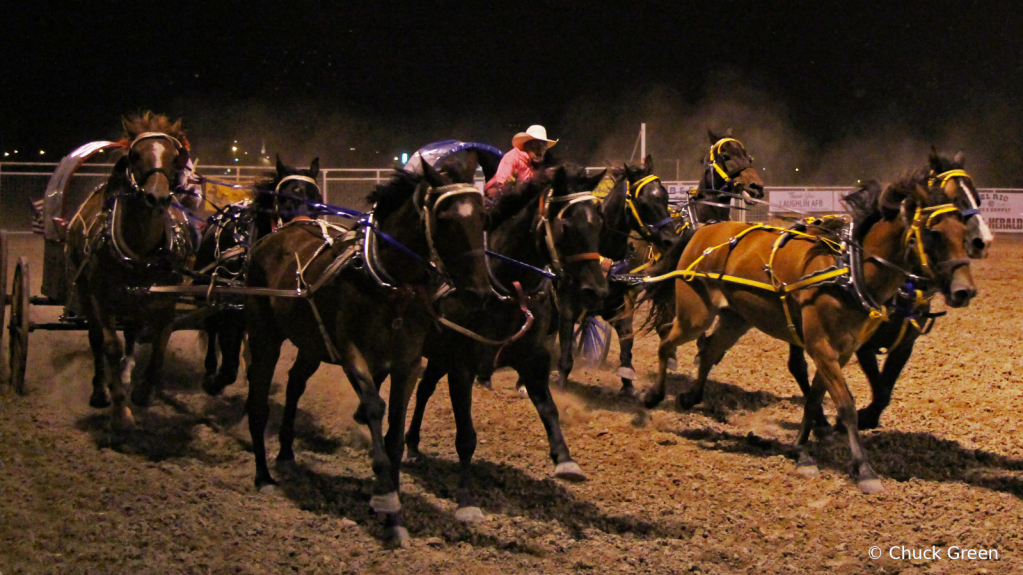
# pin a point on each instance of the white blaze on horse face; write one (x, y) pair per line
(465, 210)
(976, 224)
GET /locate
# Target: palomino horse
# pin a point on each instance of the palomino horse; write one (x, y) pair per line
(812, 293)
(552, 220)
(279, 197)
(364, 306)
(909, 316)
(637, 229)
(126, 237)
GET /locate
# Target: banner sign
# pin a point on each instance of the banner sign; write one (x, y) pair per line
(1002, 211)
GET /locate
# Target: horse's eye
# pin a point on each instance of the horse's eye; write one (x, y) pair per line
(725, 157)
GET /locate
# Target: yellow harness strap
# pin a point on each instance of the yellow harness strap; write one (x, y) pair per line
(941, 179)
(919, 224)
(634, 192)
(714, 151)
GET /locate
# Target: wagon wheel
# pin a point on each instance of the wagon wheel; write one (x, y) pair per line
(19, 326)
(3, 279)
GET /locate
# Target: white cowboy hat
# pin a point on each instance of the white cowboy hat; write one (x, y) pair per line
(535, 132)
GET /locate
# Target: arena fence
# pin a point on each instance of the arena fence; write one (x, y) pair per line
(23, 182)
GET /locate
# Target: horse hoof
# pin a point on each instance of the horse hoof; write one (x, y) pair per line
(100, 399)
(399, 536)
(653, 400)
(485, 384)
(824, 432)
(688, 400)
(523, 392)
(628, 391)
(561, 381)
(413, 457)
(569, 471)
(121, 419)
(672, 364)
(865, 420)
(386, 503)
(808, 470)
(626, 373)
(141, 397)
(468, 515)
(211, 386)
(869, 486)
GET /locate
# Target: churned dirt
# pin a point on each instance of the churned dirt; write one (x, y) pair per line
(707, 491)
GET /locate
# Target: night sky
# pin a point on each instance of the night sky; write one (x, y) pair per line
(843, 89)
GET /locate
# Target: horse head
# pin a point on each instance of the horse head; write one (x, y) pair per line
(152, 165)
(453, 220)
(935, 237)
(570, 226)
(949, 176)
(646, 205)
(728, 167)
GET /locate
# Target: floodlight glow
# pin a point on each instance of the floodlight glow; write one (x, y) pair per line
(404, 158)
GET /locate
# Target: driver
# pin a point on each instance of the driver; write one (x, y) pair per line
(527, 155)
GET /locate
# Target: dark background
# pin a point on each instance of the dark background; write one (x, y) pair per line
(841, 90)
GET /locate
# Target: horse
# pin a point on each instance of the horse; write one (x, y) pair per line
(910, 315)
(550, 220)
(126, 237)
(366, 307)
(637, 229)
(279, 197)
(728, 173)
(812, 293)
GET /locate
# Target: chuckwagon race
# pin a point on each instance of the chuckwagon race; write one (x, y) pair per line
(663, 330)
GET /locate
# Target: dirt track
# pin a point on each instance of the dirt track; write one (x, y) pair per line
(708, 491)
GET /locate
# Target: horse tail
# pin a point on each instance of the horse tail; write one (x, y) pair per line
(662, 294)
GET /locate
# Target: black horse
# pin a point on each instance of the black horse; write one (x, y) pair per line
(637, 230)
(551, 220)
(223, 252)
(910, 311)
(365, 306)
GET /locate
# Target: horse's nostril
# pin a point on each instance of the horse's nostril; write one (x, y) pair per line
(978, 244)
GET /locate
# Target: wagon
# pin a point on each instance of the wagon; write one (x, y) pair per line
(53, 216)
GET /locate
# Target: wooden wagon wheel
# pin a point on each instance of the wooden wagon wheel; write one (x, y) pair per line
(4, 300)
(19, 326)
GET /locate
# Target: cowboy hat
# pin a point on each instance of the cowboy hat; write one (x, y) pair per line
(535, 132)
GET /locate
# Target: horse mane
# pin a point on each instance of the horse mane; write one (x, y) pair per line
(515, 197)
(388, 197)
(142, 122)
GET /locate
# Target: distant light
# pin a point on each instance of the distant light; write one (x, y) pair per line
(395, 158)
(352, 149)
(857, 181)
(41, 152)
(797, 169)
(236, 159)
(6, 154)
(234, 148)
(15, 151)
(404, 158)
(246, 153)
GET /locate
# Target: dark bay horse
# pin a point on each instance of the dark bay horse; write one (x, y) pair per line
(366, 308)
(909, 314)
(550, 221)
(224, 249)
(637, 229)
(728, 173)
(127, 236)
(812, 294)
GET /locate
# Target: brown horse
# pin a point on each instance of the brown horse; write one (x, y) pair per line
(126, 237)
(366, 307)
(910, 315)
(811, 293)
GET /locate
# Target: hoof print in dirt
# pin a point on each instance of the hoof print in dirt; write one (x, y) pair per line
(468, 515)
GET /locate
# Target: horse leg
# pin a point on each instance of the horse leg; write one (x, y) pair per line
(100, 397)
(371, 410)
(402, 384)
(460, 389)
(304, 367)
(232, 332)
(534, 371)
(142, 394)
(829, 371)
(623, 327)
(812, 397)
(730, 328)
(882, 385)
(266, 351)
(693, 316)
(427, 385)
(212, 328)
(113, 352)
(798, 369)
(485, 370)
(566, 329)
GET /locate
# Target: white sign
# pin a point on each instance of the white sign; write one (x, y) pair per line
(803, 201)
(1002, 211)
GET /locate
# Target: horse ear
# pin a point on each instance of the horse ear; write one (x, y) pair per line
(934, 159)
(593, 181)
(314, 168)
(281, 167)
(433, 177)
(713, 137)
(728, 132)
(648, 163)
(959, 158)
(559, 180)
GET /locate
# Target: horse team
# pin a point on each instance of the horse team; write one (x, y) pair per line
(433, 272)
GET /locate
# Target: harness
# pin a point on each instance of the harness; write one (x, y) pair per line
(846, 273)
(547, 201)
(631, 195)
(940, 180)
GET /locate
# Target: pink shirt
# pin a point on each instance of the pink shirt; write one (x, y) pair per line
(515, 166)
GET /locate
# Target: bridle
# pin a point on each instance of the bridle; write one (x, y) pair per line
(942, 179)
(719, 169)
(277, 194)
(632, 196)
(547, 201)
(136, 187)
(923, 219)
